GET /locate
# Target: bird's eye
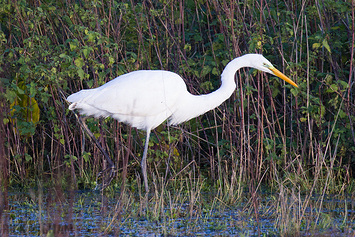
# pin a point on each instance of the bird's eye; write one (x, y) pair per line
(266, 65)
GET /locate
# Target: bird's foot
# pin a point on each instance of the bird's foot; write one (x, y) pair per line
(107, 176)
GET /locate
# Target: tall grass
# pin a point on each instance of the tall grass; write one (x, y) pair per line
(268, 135)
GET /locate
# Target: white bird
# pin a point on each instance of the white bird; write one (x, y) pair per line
(144, 99)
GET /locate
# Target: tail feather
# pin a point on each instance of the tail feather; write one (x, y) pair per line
(72, 106)
(78, 96)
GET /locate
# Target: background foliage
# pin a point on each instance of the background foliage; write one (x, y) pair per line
(266, 132)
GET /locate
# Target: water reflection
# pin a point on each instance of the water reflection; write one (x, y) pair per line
(37, 213)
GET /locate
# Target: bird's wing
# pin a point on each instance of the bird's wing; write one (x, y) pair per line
(139, 93)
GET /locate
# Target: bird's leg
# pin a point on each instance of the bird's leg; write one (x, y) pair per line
(144, 162)
(111, 169)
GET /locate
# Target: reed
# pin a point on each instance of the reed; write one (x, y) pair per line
(266, 137)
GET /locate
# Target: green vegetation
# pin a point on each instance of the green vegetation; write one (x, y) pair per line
(268, 136)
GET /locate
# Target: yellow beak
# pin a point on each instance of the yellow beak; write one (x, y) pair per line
(282, 76)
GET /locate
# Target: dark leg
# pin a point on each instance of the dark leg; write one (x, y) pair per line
(111, 170)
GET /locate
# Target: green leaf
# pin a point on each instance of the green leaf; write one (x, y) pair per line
(5, 120)
(321, 110)
(205, 70)
(326, 45)
(20, 91)
(303, 119)
(342, 114)
(187, 47)
(344, 84)
(91, 36)
(215, 71)
(79, 62)
(207, 85)
(72, 46)
(86, 51)
(86, 156)
(316, 45)
(294, 91)
(33, 89)
(28, 158)
(111, 60)
(275, 92)
(332, 88)
(10, 95)
(81, 73)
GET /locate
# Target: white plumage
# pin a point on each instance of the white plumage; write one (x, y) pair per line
(145, 99)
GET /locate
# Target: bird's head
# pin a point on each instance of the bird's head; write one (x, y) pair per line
(259, 62)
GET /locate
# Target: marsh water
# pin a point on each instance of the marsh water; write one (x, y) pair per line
(84, 213)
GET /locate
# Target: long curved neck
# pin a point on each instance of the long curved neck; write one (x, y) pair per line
(214, 99)
(195, 105)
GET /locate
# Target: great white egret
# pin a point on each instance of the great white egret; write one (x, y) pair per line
(144, 99)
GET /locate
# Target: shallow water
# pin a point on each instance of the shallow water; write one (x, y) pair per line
(86, 213)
